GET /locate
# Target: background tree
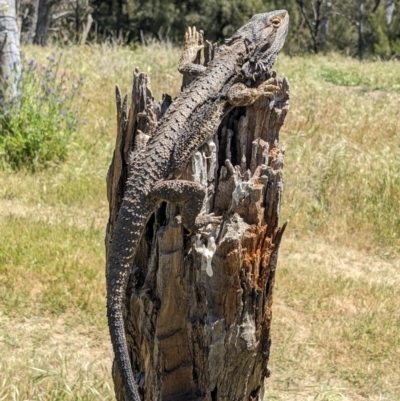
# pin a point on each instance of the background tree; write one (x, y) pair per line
(364, 9)
(362, 28)
(67, 20)
(143, 18)
(385, 26)
(10, 62)
(316, 14)
(44, 15)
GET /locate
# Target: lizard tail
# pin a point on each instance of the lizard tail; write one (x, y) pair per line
(132, 218)
(116, 325)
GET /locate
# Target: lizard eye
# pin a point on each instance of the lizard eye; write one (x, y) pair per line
(276, 22)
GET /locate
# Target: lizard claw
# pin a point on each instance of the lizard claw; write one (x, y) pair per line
(193, 43)
(270, 81)
(149, 115)
(269, 88)
(203, 220)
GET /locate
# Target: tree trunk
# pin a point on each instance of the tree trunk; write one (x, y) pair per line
(29, 14)
(323, 31)
(10, 62)
(317, 21)
(360, 26)
(43, 21)
(18, 17)
(198, 309)
(390, 6)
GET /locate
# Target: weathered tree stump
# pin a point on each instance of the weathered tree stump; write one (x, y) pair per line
(198, 307)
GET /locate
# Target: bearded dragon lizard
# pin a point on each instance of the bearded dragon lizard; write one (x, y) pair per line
(191, 120)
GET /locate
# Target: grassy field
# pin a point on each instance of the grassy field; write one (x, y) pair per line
(336, 323)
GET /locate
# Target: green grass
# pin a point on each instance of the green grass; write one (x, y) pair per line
(62, 261)
(343, 154)
(335, 326)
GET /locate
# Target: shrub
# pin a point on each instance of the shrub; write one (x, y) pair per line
(36, 126)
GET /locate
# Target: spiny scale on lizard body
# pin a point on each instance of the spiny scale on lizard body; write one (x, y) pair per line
(190, 121)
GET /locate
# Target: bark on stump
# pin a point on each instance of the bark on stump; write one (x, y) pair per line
(198, 308)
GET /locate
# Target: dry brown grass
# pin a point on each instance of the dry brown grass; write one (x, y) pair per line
(41, 360)
(335, 324)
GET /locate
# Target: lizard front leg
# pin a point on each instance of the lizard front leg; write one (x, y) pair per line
(241, 95)
(193, 44)
(190, 195)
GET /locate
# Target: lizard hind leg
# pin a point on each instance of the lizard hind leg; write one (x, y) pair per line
(190, 195)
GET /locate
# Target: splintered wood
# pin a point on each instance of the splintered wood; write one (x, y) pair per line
(198, 309)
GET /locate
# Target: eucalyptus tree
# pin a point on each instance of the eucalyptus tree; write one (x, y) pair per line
(10, 61)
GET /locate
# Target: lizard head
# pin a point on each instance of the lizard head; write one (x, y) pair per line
(264, 36)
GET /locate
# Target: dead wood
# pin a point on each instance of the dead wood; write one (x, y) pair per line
(198, 309)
